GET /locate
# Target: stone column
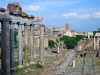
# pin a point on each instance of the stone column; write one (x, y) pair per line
(47, 41)
(74, 63)
(94, 42)
(12, 59)
(44, 41)
(31, 45)
(5, 47)
(20, 45)
(26, 43)
(38, 39)
(88, 36)
(58, 44)
(41, 43)
(97, 42)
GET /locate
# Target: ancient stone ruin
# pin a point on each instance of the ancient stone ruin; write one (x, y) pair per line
(9, 17)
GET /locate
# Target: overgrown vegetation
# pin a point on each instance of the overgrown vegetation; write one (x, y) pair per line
(51, 43)
(27, 69)
(98, 63)
(49, 59)
(78, 37)
(0, 54)
(71, 42)
(15, 40)
(0, 39)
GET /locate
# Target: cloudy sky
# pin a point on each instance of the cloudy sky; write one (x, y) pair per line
(81, 15)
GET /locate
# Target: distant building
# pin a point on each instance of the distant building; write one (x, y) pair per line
(68, 33)
(56, 31)
(72, 33)
(89, 34)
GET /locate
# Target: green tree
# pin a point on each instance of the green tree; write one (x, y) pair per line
(51, 43)
(0, 40)
(78, 37)
(0, 43)
(94, 32)
(70, 42)
(98, 29)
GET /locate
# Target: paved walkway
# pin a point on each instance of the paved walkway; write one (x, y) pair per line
(84, 66)
(62, 68)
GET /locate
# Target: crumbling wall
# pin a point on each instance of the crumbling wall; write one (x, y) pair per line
(14, 7)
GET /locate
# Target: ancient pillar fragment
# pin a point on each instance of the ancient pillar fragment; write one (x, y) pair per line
(26, 44)
(97, 42)
(20, 45)
(31, 44)
(58, 45)
(38, 40)
(47, 41)
(94, 42)
(74, 63)
(44, 41)
(41, 42)
(12, 62)
(5, 47)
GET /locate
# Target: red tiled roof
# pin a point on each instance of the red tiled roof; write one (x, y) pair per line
(2, 9)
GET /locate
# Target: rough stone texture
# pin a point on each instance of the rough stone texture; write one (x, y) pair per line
(14, 7)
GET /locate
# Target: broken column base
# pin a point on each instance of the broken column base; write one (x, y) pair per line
(20, 66)
(32, 63)
(27, 64)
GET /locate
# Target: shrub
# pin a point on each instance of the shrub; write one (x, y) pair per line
(0, 55)
(38, 65)
(70, 42)
(51, 44)
(78, 37)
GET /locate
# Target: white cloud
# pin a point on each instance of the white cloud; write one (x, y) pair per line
(58, 3)
(75, 15)
(33, 8)
(96, 14)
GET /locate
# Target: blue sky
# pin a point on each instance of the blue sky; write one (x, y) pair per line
(81, 15)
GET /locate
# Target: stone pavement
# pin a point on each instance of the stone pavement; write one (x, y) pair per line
(78, 70)
(84, 66)
(89, 67)
(61, 70)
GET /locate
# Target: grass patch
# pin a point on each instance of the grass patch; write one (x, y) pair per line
(97, 63)
(0, 54)
(73, 70)
(37, 59)
(21, 70)
(28, 69)
(35, 66)
(16, 63)
(61, 63)
(89, 67)
(66, 51)
(49, 59)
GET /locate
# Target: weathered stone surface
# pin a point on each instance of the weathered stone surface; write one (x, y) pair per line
(14, 7)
